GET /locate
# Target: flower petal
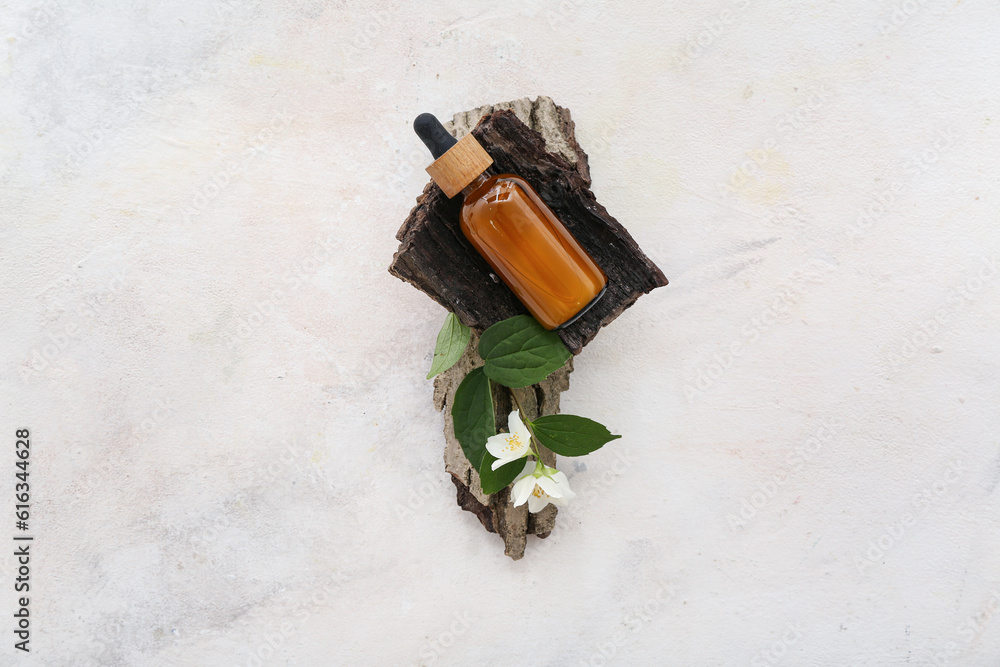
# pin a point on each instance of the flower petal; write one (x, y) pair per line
(517, 427)
(536, 504)
(560, 479)
(500, 462)
(518, 446)
(558, 476)
(495, 444)
(559, 502)
(524, 484)
(549, 486)
(522, 490)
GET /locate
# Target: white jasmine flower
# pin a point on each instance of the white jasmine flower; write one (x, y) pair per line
(540, 485)
(507, 447)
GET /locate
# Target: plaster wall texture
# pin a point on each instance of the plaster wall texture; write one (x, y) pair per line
(235, 459)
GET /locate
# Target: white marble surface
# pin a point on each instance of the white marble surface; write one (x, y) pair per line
(235, 457)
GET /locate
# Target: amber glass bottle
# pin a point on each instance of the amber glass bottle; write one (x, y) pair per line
(514, 230)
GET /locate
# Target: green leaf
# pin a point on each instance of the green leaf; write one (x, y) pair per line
(519, 352)
(472, 413)
(569, 435)
(496, 480)
(451, 343)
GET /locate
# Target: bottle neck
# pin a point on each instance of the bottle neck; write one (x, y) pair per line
(474, 185)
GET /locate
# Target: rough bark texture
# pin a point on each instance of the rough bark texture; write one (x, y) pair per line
(535, 140)
(436, 258)
(496, 512)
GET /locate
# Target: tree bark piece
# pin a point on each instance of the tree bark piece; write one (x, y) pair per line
(436, 258)
(496, 512)
(535, 140)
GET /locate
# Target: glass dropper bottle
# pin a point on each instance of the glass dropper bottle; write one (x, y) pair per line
(514, 230)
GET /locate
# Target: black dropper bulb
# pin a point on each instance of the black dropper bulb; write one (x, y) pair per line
(430, 130)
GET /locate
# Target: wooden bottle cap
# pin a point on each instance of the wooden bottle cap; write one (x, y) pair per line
(460, 165)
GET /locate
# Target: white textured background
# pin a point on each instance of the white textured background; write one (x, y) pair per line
(235, 456)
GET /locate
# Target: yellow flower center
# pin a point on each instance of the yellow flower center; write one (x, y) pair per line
(513, 443)
(538, 493)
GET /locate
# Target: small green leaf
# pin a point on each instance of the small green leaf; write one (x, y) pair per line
(451, 343)
(519, 352)
(569, 435)
(496, 480)
(472, 413)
